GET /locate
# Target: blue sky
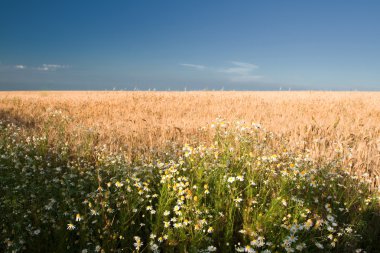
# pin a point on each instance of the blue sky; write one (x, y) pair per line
(241, 45)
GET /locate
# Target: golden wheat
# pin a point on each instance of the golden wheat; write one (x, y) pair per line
(326, 123)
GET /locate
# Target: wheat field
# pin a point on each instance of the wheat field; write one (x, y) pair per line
(326, 123)
(189, 172)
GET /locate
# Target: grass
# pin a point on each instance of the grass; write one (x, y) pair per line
(243, 190)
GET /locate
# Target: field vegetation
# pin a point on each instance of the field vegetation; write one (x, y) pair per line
(189, 172)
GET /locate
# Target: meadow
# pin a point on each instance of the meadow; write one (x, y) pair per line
(189, 171)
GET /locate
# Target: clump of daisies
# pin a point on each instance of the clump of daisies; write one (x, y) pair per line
(244, 192)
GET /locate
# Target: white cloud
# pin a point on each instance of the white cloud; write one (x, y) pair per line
(240, 68)
(241, 72)
(194, 66)
(245, 64)
(20, 66)
(50, 67)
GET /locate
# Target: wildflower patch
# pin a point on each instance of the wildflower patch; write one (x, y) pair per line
(244, 192)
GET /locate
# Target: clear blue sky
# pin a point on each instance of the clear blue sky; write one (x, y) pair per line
(324, 44)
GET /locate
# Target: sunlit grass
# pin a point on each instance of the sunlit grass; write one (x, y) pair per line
(245, 192)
